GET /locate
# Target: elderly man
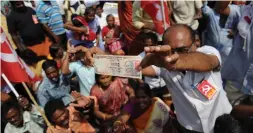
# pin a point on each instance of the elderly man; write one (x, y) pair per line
(192, 76)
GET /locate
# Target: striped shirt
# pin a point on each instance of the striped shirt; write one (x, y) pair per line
(50, 14)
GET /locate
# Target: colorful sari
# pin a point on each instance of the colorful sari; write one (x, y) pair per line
(111, 100)
(153, 119)
(112, 40)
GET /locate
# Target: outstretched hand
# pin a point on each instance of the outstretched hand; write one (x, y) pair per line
(160, 56)
(81, 101)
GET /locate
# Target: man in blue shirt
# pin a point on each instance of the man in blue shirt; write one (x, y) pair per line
(49, 15)
(54, 85)
(85, 73)
(238, 66)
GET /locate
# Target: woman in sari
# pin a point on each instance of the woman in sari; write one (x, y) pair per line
(111, 36)
(112, 93)
(146, 114)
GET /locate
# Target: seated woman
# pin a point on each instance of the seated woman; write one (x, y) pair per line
(111, 35)
(65, 119)
(84, 36)
(147, 114)
(112, 93)
(57, 53)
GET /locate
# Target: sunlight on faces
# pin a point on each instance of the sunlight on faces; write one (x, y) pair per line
(179, 40)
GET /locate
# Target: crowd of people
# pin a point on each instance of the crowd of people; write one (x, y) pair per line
(197, 66)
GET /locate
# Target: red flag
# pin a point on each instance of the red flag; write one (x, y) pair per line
(12, 65)
(154, 10)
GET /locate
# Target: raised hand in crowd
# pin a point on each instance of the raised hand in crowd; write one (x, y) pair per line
(81, 101)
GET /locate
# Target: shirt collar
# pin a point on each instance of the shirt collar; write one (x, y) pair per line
(51, 84)
(26, 117)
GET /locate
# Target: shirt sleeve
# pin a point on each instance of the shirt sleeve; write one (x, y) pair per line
(11, 25)
(7, 128)
(42, 99)
(198, 4)
(210, 50)
(235, 13)
(72, 67)
(157, 70)
(137, 15)
(206, 10)
(41, 15)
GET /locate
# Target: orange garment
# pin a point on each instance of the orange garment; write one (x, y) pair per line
(37, 70)
(74, 126)
(42, 49)
(141, 122)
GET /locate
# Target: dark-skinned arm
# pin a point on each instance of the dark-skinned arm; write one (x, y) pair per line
(65, 65)
(48, 30)
(69, 26)
(195, 61)
(242, 112)
(16, 40)
(96, 50)
(130, 92)
(99, 114)
(124, 117)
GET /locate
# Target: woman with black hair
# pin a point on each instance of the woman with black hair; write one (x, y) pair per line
(112, 93)
(84, 36)
(147, 114)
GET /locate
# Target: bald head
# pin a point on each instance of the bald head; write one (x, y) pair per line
(178, 36)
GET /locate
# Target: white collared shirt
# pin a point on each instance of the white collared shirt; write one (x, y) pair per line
(29, 125)
(153, 82)
(194, 111)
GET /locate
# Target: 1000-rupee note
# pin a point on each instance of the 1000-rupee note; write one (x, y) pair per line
(122, 66)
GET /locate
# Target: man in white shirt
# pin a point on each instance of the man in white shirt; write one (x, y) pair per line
(237, 69)
(101, 16)
(192, 76)
(187, 12)
(19, 121)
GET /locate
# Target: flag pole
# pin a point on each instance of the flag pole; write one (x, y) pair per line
(10, 85)
(36, 104)
(163, 14)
